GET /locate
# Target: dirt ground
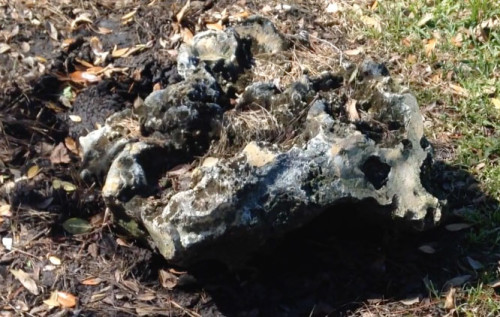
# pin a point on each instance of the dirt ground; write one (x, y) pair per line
(57, 82)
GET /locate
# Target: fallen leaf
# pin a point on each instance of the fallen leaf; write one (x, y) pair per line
(104, 31)
(5, 211)
(80, 77)
(146, 297)
(374, 5)
(116, 53)
(410, 301)
(71, 145)
(60, 155)
(4, 48)
(66, 43)
(406, 41)
(95, 45)
(77, 226)
(83, 18)
(52, 300)
(449, 302)
(55, 260)
(91, 281)
(371, 22)
(351, 111)
(67, 186)
(167, 279)
(187, 35)
(183, 11)
(425, 19)
(52, 31)
(332, 7)
(494, 284)
(475, 265)
(457, 226)
(427, 249)
(129, 15)
(458, 90)
(66, 300)
(457, 40)
(33, 171)
(7, 243)
(75, 118)
(26, 280)
(495, 102)
(429, 46)
(215, 26)
(354, 52)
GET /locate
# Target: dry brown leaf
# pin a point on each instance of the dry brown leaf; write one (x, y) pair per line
(406, 41)
(84, 62)
(183, 11)
(425, 19)
(128, 17)
(71, 145)
(55, 260)
(33, 171)
(355, 51)
(372, 22)
(167, 279)
(116, 53)
(52, 300)
(412, 59)
(75, 118)
(80, 77)
(351, 111)
(215, 26)
(187, 35)
(91, 281)
(410, 301)
(26, 280)
(4, 48)
(495, 102)
(104, 31)
(449, 302)
(146, 297)
(95, 45)
(52, 31)
(429, 46)
(83, 18)
(241, 15)
(60, 155)
(458, 90)
(457, 40)
(483, 30)
(5, 211)
(66, 300)
(157, 87)
(374, 5)
(66, 43)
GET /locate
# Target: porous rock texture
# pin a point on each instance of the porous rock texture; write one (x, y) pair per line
(330, 139)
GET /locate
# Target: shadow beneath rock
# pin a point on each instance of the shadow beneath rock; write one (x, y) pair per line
(345, 259)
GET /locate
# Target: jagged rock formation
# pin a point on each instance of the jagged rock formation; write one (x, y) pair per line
(288, 156)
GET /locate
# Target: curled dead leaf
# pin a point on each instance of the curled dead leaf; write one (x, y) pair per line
(32, 171)
(167, 279)
(183, 11)
(5, 211)
(429, 46)
(4, 48)
(60, 155)
(66, 300)
(71, 145)
(81, 19)
(449, 302)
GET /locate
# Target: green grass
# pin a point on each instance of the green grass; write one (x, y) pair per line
(471, 118)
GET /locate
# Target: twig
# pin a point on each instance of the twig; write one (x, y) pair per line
(185, 310)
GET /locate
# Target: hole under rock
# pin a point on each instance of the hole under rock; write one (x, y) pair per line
(345, 256)
(376, 171)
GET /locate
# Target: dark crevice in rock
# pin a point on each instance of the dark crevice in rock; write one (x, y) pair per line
(376, 171)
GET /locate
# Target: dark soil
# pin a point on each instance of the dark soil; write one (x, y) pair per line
(332, 267)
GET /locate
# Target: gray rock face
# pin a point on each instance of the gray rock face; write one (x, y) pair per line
(225, 205)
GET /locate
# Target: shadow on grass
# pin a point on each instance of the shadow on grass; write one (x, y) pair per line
(343, 261)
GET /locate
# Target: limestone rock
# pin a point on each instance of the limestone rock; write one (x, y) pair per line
(263, 185)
